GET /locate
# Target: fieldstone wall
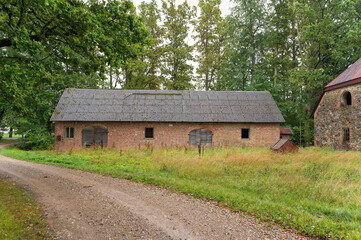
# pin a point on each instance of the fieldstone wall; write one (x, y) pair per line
(331, 117)
(131, 134)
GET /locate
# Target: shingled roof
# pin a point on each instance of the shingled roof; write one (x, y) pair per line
(166, 106)
(286, 131)
(350, 76)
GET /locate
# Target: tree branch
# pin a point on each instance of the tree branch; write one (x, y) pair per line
(21, 13)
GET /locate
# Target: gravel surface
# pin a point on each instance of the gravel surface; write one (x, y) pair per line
(81, 205)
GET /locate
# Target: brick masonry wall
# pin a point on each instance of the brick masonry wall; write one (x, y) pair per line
(330, 118)
(131, 134)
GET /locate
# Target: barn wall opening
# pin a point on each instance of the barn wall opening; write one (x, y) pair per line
(245, 133)
(346, 99)
(346, 135)
(201, 137)
(149, 132)
(95, 135)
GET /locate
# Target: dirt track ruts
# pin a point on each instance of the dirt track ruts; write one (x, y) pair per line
(81, 205)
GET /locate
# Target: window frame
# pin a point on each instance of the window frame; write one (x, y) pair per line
(346, 99)
(248, 133)
(146, 136)
(346, 135)
(68, 132)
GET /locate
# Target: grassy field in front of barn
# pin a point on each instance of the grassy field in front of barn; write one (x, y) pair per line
(316, 191)
(20, 217)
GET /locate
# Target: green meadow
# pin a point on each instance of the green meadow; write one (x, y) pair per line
(315, 191)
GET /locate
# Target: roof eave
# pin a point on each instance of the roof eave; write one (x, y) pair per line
(333, 87)
(58, 120)
(343, 84)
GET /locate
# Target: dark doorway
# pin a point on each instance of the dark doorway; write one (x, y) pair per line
(201, 137)
(95, 136)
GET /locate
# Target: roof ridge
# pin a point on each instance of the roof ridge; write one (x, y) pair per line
(164, 90)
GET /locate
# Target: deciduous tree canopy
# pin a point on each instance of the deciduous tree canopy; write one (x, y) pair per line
(291, 48)
(41, 40)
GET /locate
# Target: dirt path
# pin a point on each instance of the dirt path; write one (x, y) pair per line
(81, 205)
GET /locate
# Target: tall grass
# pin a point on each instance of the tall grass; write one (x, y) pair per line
(316, 191)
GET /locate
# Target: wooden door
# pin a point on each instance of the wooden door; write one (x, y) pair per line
(201, 137)
(95, 135)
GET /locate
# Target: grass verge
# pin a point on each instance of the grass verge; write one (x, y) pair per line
(6, 135)
(19, 215)
(316, 191)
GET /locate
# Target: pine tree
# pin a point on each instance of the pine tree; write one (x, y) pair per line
(209, 39)
(144, 72)
(177, 53)
(245, 47)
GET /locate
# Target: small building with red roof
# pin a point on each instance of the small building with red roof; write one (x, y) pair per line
(285, 132)
(337, 115)
(284, 145)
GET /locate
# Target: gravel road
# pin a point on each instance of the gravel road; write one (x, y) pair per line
(81, 205)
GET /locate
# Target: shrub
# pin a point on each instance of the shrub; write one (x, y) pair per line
(1, 135)
(37, 139)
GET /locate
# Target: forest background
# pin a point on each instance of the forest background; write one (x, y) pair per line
(291, 48)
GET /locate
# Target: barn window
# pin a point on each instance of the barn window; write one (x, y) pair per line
(95, 135)
(245, 133)
(346, 135)
(69, 132)
(346, 99)
(149, 132)
(201, 137)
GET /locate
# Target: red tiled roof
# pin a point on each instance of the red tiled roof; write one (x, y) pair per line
(350, 76)
(286, 130)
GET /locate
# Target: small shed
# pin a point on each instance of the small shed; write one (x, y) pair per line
(284, 146)
(285, 132)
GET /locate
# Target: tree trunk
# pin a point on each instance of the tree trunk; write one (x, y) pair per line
(207, 81)
(308, 110)
(11, 132)
(2, 113)
(111, 77)
(48, 126)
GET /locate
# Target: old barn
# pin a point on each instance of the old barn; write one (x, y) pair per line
(132, 118)
(337, 115)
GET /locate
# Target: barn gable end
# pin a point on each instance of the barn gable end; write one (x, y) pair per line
(337, 116)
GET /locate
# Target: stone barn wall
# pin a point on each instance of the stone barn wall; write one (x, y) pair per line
(132, 134)
(331, 118)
